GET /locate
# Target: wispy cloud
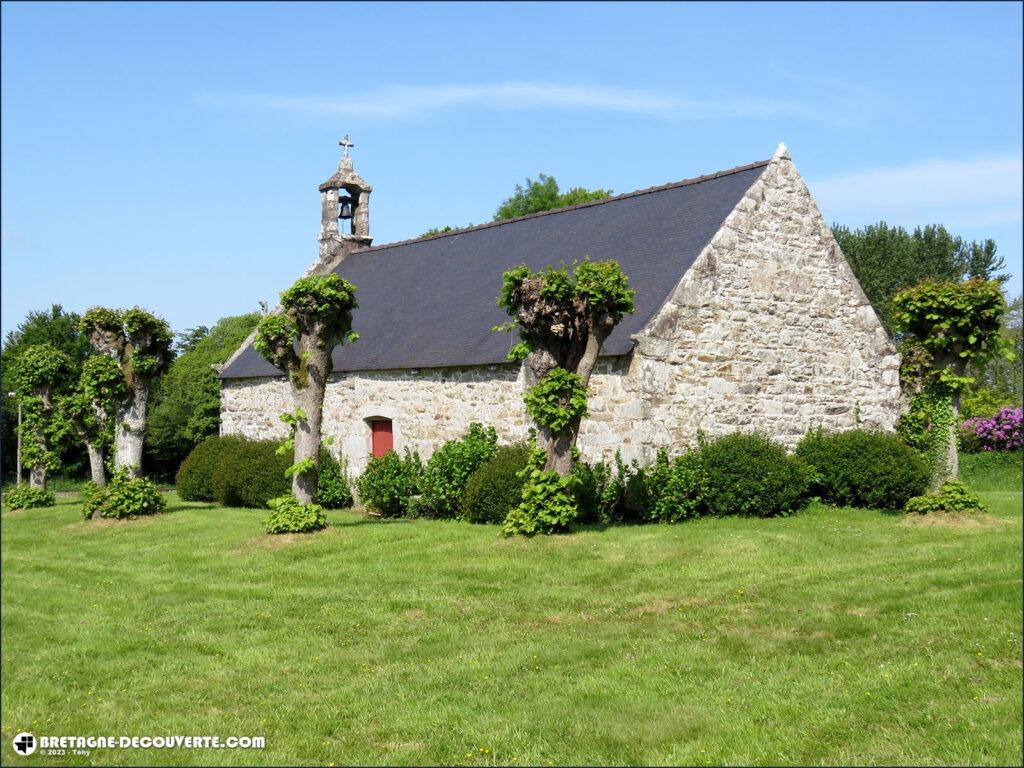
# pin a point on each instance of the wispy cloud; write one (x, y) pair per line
(978, 192)
(405, 101)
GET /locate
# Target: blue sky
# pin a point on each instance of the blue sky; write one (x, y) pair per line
(169, 154)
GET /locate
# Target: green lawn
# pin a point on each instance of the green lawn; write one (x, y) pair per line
(835, 636)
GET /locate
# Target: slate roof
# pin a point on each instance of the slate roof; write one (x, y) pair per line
(430, 303)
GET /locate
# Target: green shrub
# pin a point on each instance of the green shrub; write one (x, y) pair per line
(643, 486)
(193, 481)
(239, 472)
(496, 487)
(666, 491)
(332, 491)
(448, 470)
(599, 489)
(124, 496)
(288, 516)
(683, 494)
(748, 474)
(548, 504)
(24, 496)
(858, 468)
(983, 403)
(249, 473)
(953, 497)
(389, 481)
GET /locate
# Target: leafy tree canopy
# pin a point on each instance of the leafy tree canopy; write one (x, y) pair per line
(886, 259)
(39, 369)
(543, 194)
(317, 308)
(140, 340)
(953, 325)
(53, 326)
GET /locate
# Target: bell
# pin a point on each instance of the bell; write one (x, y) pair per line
(346, 208)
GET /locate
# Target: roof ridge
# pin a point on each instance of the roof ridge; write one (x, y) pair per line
(588, 204)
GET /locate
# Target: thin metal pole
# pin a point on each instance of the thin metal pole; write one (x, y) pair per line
(19, 441)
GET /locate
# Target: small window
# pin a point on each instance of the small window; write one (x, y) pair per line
(382, 440)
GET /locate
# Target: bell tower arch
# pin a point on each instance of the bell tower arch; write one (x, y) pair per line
(345, 211)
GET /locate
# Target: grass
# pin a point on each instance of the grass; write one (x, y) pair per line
(834, 636)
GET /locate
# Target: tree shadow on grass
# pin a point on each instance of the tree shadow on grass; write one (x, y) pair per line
(366, 521)
(196, 506)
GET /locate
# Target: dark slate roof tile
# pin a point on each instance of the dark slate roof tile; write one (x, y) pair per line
(431, 302)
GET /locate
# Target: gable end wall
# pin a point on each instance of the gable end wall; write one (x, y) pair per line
(769, 330)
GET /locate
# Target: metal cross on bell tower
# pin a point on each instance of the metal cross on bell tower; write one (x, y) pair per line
(346, 145)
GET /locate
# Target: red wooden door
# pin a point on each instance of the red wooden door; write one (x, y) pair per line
(382, 438)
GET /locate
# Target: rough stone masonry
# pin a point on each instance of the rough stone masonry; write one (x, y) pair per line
(767, 330)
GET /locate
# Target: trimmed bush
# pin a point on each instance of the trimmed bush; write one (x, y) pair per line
(332, 491)
(858, 468)
(449, 468)
(496, 487)
(748, 474)
(239, 472)
(389, 481)
(124, 496)
(193, 480)
(288, 516)
(249, 473)
(24, 496)
(953, 498)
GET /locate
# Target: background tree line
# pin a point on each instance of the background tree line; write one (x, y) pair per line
(183, 407)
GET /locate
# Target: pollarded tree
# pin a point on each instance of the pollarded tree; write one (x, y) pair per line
(950, 327)
(38, 373)
(563, 320)
(140, 343)
(88, 412)
(316, 317)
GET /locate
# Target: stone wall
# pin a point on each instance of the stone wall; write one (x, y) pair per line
(769, 330)
(427, 407)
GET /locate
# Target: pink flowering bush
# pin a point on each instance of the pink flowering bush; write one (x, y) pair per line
(1002, 432)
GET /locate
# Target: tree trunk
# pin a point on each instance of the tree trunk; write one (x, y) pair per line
(558, 445)
(308, 395)
(37, 473)
(946, 454)
(37, 476)
(96, 468)
(307, 441)
(130, 430)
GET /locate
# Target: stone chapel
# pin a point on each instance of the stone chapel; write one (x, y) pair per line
(747, 318)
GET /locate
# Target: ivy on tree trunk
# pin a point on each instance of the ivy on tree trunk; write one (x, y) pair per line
(38, 371)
